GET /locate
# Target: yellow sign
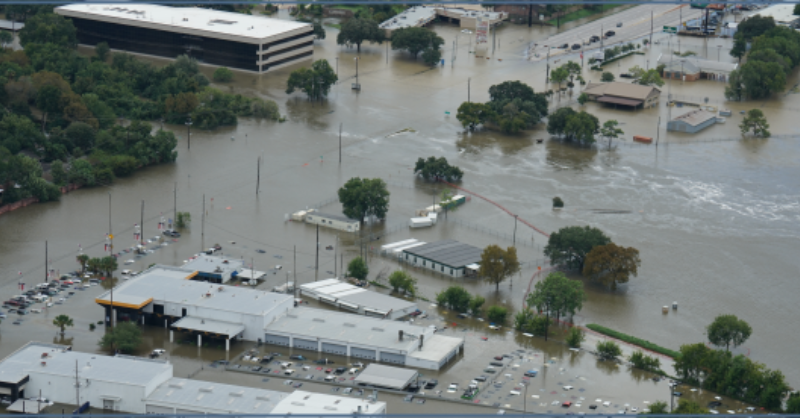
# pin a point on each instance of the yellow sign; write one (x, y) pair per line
(110, 236)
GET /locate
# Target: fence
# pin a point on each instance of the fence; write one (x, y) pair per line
(326, 202)
(518, 240)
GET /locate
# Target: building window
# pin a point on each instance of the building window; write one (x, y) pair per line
(406, 256)
(423, 262)
(451, 272)
(415, 259)
(442, 269)
(433, 265)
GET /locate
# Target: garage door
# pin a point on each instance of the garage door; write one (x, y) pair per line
(304, 344)
(393, 358)
(159, 410)
(188, 412)
(276, 339)
(362, 353)
(334, 349)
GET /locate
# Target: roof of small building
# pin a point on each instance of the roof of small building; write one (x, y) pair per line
(436, 347)
(386, 376)
(59, 360)
(361, 330)
(695, 117)
(620, 89)
(346, 292)
(185, 19)
(213, 264)
(305, 403)
(783, 14)
(448, 252)
(693, 65)
(169, 284)
(215, 398)
(341, 218)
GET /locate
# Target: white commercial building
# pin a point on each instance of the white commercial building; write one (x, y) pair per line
(215, 269)
(357, 299)
(448, 257)
(236, 40)
(342, 223)
(363, 337)
(164, 296)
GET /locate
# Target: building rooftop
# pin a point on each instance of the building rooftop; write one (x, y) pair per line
(448, 252)
(307, 403)
(213, 264)
(165, 284)
(207, 22)
(386, 376)
(413, 16)
(209, 326)
(59, 361)
(691, 65)
(436, 347)
(215, 398)
(620, 89)
(358, 329)
(345, 292)
(332, 216)
(783, 14)
(696, 117)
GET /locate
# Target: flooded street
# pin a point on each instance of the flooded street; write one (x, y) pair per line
(715, 219)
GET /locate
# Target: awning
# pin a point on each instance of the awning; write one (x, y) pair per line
(475, 267)
(251, 275)
(111, 398)
(210, 326)
(619, 101)
(124, 301)
(27, 407)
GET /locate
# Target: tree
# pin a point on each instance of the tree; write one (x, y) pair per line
(400, 280)
(575, 337)
(319, 31)
(608, 350)
(650, 77)
(6, 38)
(49, 28)
(222, 74)
(364, 197)
(607, 77)
(793, 403)
(454, 297)
(583, 98)
(431, 56)
(557, 202)
(755, 121)
(581, 127)
(761, 79)
(570, 245)
(727, 330)
(81, 173)
(472, 114)
(610, 131)
(497, 314)
(415, 40)
(445, 198)
(124, 337)
(559, 75)
(316, 82)
(475, 304)
(186, 64)
(183, 219)
(102, 50)
(557, 121)
(62, 322)
(48, 100)
(612, 264)
(526, 320)
(556, 294)
(358, 30)
(358, 268)
(434, 169)
(82, 260)
(58, 173)
(658, 407)
(80, 135)
(689, 408)
(644, 362)
(498, 264)
(107, 265)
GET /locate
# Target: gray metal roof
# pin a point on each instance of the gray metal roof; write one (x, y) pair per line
(135, 371)
(168, 284)
(214, 398)
(448, 252)
(359, 330)
(9, 25)
(209, 325)
(331, 216)
(361, 297)
(213, 264)
(695, 117)
(386, 376)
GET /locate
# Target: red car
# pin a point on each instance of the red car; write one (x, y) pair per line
(498, 358)
(566, 404)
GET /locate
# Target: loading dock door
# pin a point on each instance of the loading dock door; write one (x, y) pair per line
(362, 353)
(393, 358)
(158, 410)
(276, 339)
(304, 344)
(334, 349)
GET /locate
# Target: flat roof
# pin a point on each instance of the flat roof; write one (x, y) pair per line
(692, 64)
(348, 328)
(620, 89)
(164, 284)
(251, 274)
(207, 22)
(437, 347)
(213, 264)
(60, 361)
(215, 398)
(448, 252)
(27, 407)
(695, 117)
(619, 101)
(306, 403)
(209, 325)
(410, 17)
(386, 376)
(334, 217)
(783, 14)
(346, 292)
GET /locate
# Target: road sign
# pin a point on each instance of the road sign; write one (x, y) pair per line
(670, 29)
(110, 236)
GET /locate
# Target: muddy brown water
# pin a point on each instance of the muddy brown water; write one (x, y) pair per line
(716, 222)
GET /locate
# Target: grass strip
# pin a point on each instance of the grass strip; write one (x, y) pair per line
(633, 340)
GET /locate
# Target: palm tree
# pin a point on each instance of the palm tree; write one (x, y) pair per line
(62, 321)
(108, 265)
(82, 260)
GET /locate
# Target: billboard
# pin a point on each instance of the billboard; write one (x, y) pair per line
(482, 30)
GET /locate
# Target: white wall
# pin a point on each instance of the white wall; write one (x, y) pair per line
(253, 323)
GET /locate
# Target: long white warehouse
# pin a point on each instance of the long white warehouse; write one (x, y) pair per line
(357, 299)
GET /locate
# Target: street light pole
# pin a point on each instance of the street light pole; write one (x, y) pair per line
(189, 133)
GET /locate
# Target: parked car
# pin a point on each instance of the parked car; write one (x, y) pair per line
(340, 370)
(594, 38)
(172, 233)
(531, 373)
(498, 358)
(496, 364)
(297, 357)
(619, 24)
(288, 372)
(431, 384)
(563, 46)
(576, 46)
(255, 368)
(610, 33)
(481, 378)
(22, 312)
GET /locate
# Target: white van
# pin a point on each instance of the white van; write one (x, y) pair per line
(40, 298)
(288, 372)
(354, 370)
(286, 365)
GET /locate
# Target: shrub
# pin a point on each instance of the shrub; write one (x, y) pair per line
(557, 202)
(497, 314)
(644, 362)
(223, 75)
(575, 337)
(608, 350)
(528, 321)
(633, 340)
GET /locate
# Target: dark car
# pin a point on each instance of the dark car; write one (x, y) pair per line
(576, 46)
(564, 46)
(172, 233)
(255, 368)
(22, 311)
(481, 378)
(496, 364)
(413, 388)
(594, 38)
(340, 370)
(301, 358)
(266, 359)
(431, 384)
(610, 33)
(266, 370)
(678, 394)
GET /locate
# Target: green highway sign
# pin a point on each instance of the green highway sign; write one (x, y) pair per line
(670, 29)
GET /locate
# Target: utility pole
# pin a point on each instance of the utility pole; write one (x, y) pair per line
(547, 73)
(174, 204)
(203, 218)
(469, 81)
(658, 130)
(530, 14)
(337, 70)
(335, 250)
(316, 261)
(651, 29)
(294, 256)
(340, 143)
(515, 230)
(189, 133)
(141, 219)
(258, 174)
(77, 387)
(46, 266)
(601, 36)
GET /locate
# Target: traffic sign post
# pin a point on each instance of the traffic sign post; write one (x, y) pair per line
(670, 29)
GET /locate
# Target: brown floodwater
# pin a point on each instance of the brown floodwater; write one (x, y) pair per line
(714, 217)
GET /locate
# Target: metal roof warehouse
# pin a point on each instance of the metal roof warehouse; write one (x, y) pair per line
(388, 377)
(448, 257)
(357, 299)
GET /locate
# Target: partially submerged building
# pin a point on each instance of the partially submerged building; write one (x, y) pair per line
(363, 337)
(339, 222)
(357, 299)
(421, 15)
(692, 122)
(214, 269)
(693, 69)
(146, 386)
(448, 257)
(623, 94)
(250, 43)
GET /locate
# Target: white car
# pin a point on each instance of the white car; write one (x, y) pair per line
(36, 311)
(125, 272)
(288, 372)
(330, 378)
(452, 388)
